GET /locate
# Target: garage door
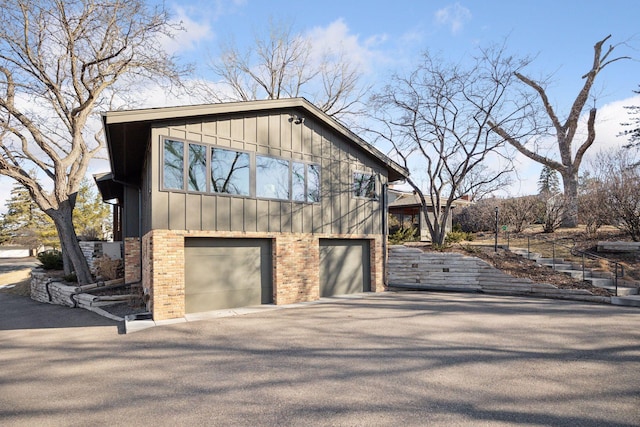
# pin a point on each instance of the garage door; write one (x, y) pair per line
(227, 273)
(344, 267)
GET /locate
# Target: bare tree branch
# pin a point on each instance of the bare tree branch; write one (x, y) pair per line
(58, 59)
(569, 164)
(281, 64)
(438, 121)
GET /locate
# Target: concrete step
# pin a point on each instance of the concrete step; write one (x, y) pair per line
(622, 290)
(600, 282)
(551, 261)
(629, 301)
(557, 266)
(576, 274)
(526, 254)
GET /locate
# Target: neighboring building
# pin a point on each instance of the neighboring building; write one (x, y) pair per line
(246, 203)
(407, 209)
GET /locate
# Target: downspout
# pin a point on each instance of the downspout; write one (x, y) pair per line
(385, 232)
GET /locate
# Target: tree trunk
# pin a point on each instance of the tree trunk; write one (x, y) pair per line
(570, 183)
(73, 258)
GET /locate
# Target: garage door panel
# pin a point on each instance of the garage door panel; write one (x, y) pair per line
(344, 267)
(219, 300)
(226, 273)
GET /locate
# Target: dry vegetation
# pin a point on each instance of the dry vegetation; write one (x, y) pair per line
(565, 239)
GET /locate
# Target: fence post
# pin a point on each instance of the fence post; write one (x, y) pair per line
(553, 254)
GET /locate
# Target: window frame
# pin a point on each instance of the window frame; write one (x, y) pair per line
(253, 185)
(251, 159)
(372, 177)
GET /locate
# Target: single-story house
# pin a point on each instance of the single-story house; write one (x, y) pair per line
(407, 209)
(237, 204)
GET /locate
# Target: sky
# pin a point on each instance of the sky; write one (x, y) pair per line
(385, 37)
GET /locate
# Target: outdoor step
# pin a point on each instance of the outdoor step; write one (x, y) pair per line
(549, 260)
(599, 281)
(559, 267)
(622, 290)
(576, 274)
(526, 254)
(630, 301)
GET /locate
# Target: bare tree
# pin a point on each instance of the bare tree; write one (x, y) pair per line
(59, 60)
(521, 212)
(565, 132)
(282, 64)
(479, 216)
(555, 206)
(620, 175)
(436, 119)
(593, 211)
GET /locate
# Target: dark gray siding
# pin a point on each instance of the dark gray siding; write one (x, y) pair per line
(337, 213)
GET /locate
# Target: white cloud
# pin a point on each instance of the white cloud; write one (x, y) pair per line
(608, 126)
(194, 32)
(454, 16)
(336, 37)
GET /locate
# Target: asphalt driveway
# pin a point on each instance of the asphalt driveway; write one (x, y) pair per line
(384, 359)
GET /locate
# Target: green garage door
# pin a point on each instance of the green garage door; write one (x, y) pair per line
(226, 273)
(344, 267)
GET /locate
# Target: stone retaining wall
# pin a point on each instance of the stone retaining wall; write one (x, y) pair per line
(618, 246)
(46, 289)
(50, 290)
(413, 268)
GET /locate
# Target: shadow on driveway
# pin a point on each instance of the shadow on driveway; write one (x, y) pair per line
(17, 312)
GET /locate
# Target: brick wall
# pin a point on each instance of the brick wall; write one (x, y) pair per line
(295, 262)
(132, 262)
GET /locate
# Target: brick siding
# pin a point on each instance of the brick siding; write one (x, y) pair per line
(295, 261)
(132, 262)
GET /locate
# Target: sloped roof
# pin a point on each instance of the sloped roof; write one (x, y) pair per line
(127, 131)
(412, 199)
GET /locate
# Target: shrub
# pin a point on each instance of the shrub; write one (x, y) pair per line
(70, 278)
(459, 236)
(404, 235)
(108, 268)
(51, 260)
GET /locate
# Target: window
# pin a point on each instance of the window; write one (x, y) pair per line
(173, 170)
(201, 168)
(197, 176)
(364, 185)
(313, 183)
(272, 178)
(298, 193)
(229, 172)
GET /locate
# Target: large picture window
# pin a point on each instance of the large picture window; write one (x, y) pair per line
(229, 172)
(272, 178)
(203, 168)
(364, 185)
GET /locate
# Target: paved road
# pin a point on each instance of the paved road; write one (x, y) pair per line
(8, 265)
(387, 359)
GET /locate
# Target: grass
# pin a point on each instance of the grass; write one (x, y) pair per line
(21, 288)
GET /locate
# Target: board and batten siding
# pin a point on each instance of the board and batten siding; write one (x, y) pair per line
(337, 213)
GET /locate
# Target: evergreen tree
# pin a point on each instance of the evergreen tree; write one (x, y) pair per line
(24, 223)
(634, 124)
(548, 183)
(91, 216)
